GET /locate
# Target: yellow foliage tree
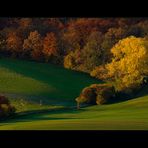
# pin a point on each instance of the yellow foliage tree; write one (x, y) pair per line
(130, 62)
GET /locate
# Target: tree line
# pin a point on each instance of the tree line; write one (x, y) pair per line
(52, 39)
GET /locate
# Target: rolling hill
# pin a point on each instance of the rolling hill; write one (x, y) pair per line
(28, 83)
(41, 83)
(128, 115)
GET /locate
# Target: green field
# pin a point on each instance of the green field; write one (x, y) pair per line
(39, 81)
(27, 83)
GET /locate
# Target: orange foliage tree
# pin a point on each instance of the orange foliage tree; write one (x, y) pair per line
(78, 31)
(49, 46)
(25, 22)
(34, 45)
(14, 43)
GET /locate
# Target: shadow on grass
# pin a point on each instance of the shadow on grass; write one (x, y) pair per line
(121, 97)
(37, 115)
(67, 83)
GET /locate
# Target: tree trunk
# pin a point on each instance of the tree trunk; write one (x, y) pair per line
(78, 105)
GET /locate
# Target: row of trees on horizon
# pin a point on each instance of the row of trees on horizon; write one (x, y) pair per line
(103, 47)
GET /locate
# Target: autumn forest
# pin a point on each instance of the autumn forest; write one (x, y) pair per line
(71, 70)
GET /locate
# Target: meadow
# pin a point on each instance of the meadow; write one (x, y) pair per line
(44, 95)
(37, 82)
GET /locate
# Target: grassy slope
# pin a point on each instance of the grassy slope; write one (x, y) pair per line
(130, 114)
(39, 81)
(34, 81)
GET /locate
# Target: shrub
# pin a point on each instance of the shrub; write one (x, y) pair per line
(6, 109)
(104, 92)
(69, 61)
(87, 96)
(4, 100)
(99, 72)
(96, 94)
(100, 99)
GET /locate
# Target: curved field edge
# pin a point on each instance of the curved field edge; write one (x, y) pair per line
(41, 82)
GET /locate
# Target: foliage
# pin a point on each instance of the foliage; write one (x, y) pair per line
(129, 65)
(88, 57)
(2, 43)
(72, 60)
(92, 54)
(6, 109)
(96, 94)
(112, 36)
(99, 72)
(52, 39)
(33, 45)
(50, 46)
(87, 96)
(14, 43)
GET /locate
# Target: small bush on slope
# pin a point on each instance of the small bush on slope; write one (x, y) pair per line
(96, 94)
(6, 109)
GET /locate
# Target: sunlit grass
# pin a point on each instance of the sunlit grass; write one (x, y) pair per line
(128, 115)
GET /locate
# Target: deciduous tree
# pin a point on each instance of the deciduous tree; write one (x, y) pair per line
(50, 46)
(14, 43)
(130, 62)
(34, 45)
